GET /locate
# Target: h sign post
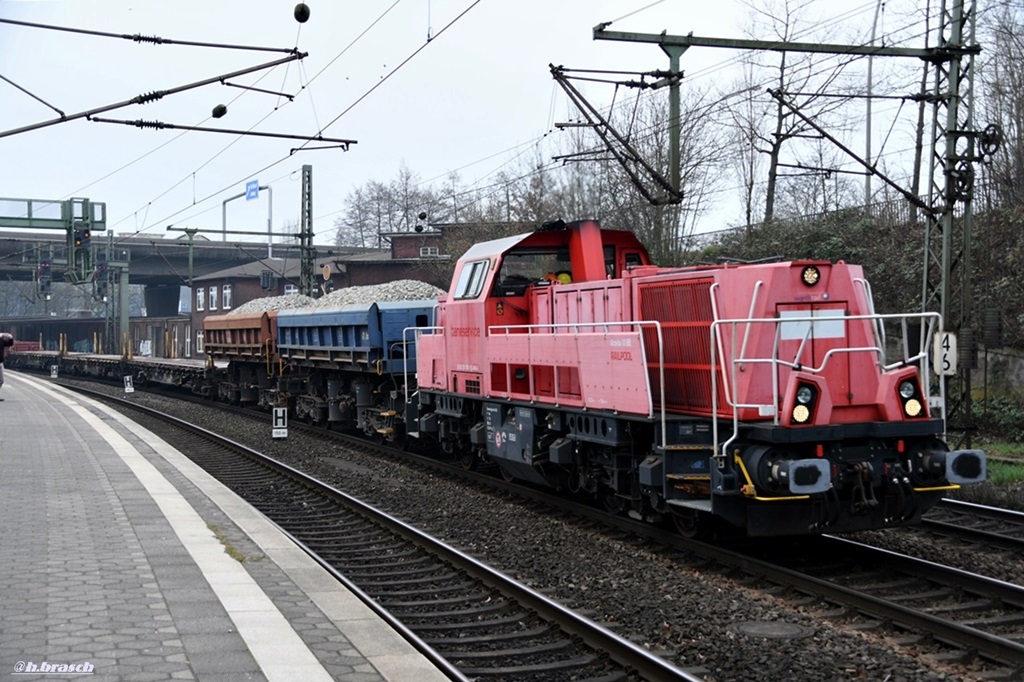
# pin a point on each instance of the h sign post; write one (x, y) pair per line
(280, 428)
(252, 190)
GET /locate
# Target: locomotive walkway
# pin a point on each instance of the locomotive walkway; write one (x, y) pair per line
(119, 558)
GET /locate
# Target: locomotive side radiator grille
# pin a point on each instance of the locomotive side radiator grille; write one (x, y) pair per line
(684, 309)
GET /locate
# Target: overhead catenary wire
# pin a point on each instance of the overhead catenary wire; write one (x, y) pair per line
(362, 97)
(725, 63)
(190, 43)
(196, 199)
(139, 38)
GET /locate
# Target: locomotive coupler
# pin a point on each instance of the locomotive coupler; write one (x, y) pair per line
(863, 491)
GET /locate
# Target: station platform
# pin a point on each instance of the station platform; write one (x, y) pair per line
(120, 559)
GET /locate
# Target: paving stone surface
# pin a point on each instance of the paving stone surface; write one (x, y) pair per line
(79, 587)
(94, 575)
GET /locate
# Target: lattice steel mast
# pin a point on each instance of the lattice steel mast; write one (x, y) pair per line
(947, 239)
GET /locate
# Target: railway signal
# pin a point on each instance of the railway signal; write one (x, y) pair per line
(82, 237)
(45, 279)
(100, 278)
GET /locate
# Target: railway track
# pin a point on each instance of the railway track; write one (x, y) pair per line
(963, 613)
(930, 610)
(471, 620)
(973, 613)
(978, 523)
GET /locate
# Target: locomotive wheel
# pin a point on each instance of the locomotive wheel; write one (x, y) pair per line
(690, 523)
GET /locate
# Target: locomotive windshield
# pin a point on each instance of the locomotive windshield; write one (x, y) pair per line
(519, 269)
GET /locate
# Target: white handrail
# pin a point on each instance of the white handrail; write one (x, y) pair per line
(529, 329)
(879, 327)
(405, 370)
(753, 304)
(930, 321)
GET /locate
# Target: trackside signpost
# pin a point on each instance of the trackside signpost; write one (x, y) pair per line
(280, 425)
(945, 354)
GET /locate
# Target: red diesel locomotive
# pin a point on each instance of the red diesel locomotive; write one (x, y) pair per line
(770, 396)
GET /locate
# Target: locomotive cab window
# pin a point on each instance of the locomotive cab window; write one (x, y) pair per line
(827, 324)
(520, 269)
(471, 279)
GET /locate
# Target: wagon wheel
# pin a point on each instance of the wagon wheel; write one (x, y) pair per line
(468, 459)
(506, 474)
(379, 428)
(611, 502)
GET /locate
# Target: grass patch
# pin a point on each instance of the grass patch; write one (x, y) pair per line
(1005, 473)
(1004, 449)
(230, 549)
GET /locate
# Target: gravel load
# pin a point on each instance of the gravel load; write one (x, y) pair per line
(399, 290)
(269, 303)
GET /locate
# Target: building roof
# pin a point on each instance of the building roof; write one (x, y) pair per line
(291, 268)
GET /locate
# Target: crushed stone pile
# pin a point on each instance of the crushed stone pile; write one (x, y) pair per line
(399, 290)
(269, 303)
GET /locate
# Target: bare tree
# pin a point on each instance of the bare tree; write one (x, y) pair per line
(378, 208)
(292, 229)
(820, 186)
(18, 298)
(356, 226)
(66, 300)
(532, 190)
(802, 79)
(1001, 81)
(745, 113)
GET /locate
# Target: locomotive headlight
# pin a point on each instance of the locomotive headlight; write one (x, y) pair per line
(912, 407)
(907, 390)
(804, 400)
(810, 275)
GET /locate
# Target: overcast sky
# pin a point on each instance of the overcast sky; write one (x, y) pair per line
(469, 101)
